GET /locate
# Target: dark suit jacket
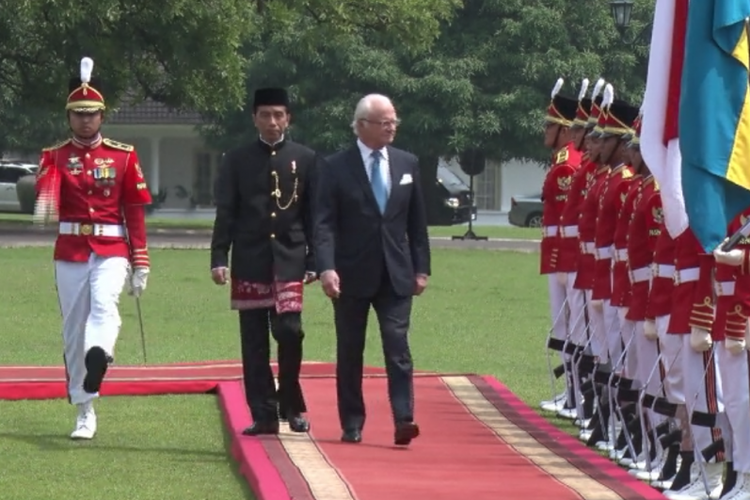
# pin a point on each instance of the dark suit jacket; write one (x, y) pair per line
(268, 240)
(353, 238)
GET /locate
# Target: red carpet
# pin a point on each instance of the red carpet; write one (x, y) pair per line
(478, 440)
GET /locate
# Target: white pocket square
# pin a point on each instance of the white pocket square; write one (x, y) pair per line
(405, 179)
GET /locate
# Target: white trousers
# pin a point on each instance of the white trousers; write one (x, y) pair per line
(558, 307)
(671, 355)
(736, 391)
(598, 330)
(89, 293)
(613, 335)
(702, 391)
(627, 330)
(576, 305)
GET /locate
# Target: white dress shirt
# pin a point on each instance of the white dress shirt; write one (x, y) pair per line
(385, 170)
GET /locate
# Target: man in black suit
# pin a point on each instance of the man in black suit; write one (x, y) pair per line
(264, 197)
(372, 249)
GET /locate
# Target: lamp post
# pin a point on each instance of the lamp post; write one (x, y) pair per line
(621, 12)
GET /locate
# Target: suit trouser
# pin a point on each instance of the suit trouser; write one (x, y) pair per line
(89, 294)
(703, 391)
(736, 390)
(350, 316)
(265, 402)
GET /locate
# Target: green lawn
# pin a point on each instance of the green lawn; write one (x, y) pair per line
(483, 312)
(502, 232)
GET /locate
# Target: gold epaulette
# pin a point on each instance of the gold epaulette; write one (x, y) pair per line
(118, 145)
(627, 173)
(562, 156)
(57, 145)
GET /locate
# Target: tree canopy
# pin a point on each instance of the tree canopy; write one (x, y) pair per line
(183, 53)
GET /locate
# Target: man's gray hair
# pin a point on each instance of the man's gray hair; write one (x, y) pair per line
(364, 107)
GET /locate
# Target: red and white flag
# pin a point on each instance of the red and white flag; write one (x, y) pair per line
(660, 142)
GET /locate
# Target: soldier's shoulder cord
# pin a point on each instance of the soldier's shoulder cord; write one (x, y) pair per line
(118, 145)
(57, 145)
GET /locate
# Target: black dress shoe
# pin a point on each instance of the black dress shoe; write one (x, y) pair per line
(352, 436)
(298, 423)
(262, 428)
(96, 367)
(405, 432)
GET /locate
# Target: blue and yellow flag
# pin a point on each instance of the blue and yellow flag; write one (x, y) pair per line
(714, 117)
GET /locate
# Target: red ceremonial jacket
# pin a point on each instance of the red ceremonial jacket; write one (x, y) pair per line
(611, 200)
(555, 191)
(732, 292)
(620, 264)
(95, 189)
(643, 235)
(569, 244)
(587, 230)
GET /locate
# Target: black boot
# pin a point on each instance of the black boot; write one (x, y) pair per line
(96, 367)
(670, 463)
(682, 478)
(730, 479)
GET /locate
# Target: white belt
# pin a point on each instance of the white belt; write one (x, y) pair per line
(640, 274)
(621, 254)
(603, 253)
(724, 288)
(588, 247)
(569, 231)
(686, 275)
(663, 271)
(84, 229)
(550, 231)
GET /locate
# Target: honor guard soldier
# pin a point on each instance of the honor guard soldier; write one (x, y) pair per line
(565, 161)
(619, 120)
(96, 190)
(730, 334)
(691, 319)
(643, 231)
(621, 286)
(569, 248)
(264, 194)
(658, 312)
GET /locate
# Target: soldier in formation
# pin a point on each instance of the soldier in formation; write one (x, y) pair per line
(664, 322)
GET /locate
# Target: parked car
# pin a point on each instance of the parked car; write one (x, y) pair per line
(526, 211)
(10, 173)
(453, 203)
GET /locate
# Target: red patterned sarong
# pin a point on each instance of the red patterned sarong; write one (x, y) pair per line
(284, 296)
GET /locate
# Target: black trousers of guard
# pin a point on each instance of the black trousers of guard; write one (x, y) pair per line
(265, 402)
(350, 316)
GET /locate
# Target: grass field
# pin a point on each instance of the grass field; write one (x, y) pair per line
(484, 312)
(502, 232)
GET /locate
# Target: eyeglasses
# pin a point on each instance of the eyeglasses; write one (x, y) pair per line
(384, 123)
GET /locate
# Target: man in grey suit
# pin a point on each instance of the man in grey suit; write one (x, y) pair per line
(372, 249)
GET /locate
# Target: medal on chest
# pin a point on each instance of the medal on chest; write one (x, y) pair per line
(104, 175)
(75, 167)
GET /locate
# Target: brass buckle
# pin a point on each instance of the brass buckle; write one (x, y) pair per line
(87, 229)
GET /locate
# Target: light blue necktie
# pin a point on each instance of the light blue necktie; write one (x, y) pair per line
(379, 188)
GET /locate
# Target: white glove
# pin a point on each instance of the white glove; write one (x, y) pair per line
(597, 304)
(733, 257)
(562, 278)
(649, 330)
(137, 281)
(735, 346)
(700, 339)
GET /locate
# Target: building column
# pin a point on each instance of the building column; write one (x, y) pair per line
(154, 173)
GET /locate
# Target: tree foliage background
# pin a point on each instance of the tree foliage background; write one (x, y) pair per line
(468, 78)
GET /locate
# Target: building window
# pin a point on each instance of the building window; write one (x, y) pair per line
(206, 165)
(485, 186)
